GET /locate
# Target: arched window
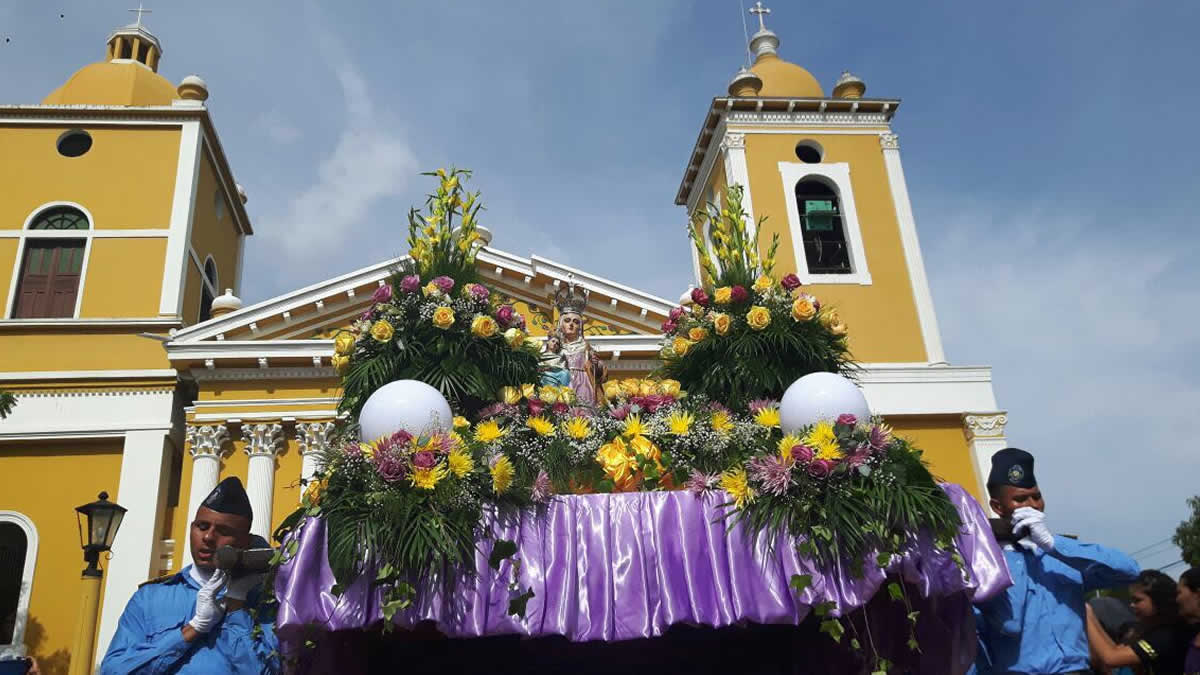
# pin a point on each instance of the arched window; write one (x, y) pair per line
(209, 292)
(824, 233)
(18, 554)
(52, 265)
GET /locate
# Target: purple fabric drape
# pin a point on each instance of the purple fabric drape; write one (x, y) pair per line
(615, 567)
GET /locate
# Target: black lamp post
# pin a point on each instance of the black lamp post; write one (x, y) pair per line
(103, 518)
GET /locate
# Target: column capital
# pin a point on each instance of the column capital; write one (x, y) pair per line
(206, 440)
(733, 141)
(263, 438)
(889, 141)
(984, 425)
(313, 437)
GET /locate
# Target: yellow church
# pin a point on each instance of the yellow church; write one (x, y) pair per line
(138, 371)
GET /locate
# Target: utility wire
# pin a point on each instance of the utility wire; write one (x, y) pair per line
(1147, 548)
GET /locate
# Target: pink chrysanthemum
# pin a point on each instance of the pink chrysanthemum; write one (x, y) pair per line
(879, 436)
(700, 484)
(620, 412)
(771, 473)
(541, 490)
(760, 403)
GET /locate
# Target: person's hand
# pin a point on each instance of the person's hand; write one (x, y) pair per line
(1033, 523)
(240, 587)
(209, 610)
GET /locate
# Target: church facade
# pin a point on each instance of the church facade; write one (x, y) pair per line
(138, 371)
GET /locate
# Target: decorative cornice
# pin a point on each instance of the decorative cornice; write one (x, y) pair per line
(207, 440)
(313, 437)
(271, 373)
(889, 141)
(835, 119)
(87, 393)
(262, 439)
(984, 425)
(733, 141)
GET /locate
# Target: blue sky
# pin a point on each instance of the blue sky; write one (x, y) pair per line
(1050, 150)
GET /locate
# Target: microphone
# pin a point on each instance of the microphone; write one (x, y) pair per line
(243, 560)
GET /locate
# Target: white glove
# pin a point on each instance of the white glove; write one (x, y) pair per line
(209, 610)
(1027, 544)
(241, 586)
(1033, 522)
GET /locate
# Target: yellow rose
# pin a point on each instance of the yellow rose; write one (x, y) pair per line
(612, 389)
(510, 395)
(431, 290)
(382, 331)
(313, 491)
(697, 334)
(483, 326)
(460, 422)
(802, 309)
(341, 363)
(763, 284)
(647, 388)
(835, 323)
(723, 295)
(721, 323)
(548, 394)
(617, 464)
(631, 386)
(758, 317)
(566, 394)
(443, 317)
(669, 387)
(344, 343)
(681, 346)
(515, 337)
(528, 391)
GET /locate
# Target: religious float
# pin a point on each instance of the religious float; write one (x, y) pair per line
(494, 501)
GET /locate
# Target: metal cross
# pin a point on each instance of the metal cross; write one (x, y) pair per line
(760, 11)
(141, 11)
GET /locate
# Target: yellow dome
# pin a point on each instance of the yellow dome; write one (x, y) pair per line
(785, 80)
(126, 83)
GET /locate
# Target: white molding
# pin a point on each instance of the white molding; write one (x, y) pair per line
(922, 296)
(592, 283)
(38, 375)
(187, 176)
(805, 130)
(838, 173)
(317, 401)
(704, 173)
(49, 205)
(242, 416)
(126, 116)
(88, 414)
(16, 648)
(808, 118)
(75, 234)
(90, 322)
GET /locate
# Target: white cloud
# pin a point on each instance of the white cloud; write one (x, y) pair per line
(1091, 335)
(277, 127)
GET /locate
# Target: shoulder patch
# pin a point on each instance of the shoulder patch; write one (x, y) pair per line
(159, 580)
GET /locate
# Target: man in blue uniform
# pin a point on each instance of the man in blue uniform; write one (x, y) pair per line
(197, 621)
(1037, 625)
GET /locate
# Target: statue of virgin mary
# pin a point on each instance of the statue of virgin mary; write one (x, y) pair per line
(584, 365)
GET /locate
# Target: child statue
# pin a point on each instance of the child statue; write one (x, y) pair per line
(553, 365)
(583, 364)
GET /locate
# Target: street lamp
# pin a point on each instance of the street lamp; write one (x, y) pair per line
(98, 525)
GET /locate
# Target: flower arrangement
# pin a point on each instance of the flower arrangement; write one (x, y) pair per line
(745, 334)
(433, 321)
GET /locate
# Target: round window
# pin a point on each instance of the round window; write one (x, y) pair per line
(809, 152)
(74, 143)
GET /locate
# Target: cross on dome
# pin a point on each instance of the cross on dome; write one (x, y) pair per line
(760, 11)
(140, 11)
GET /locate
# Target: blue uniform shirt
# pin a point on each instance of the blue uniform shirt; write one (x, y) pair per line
(149, 637)
(1037, 624)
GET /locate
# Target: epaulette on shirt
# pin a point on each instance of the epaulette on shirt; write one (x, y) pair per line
(159, 580)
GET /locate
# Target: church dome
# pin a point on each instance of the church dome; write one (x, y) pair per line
(780, 78)
(128, 83)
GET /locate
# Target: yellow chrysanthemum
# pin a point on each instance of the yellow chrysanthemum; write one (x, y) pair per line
(541, 425)
(634, 426)
(502, 474)
(737, 485)
(786, 444)
(460, 422)
(767, 417)
(489, 431)
(821, 433)
(427, 479)
(460, 463)
(680, 423)
(578, 428)
(721, 423)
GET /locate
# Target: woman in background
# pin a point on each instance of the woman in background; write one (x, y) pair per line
(1161, 642)
(1188, 598)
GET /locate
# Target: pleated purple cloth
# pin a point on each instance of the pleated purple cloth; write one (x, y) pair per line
(615, 567)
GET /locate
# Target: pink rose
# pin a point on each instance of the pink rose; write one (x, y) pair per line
(668, 326)
(860, 455)
(802, 453)
(676, 312)
(505, 314)
(382, 294)
(389, 466)
(738, 294)
(790, 282)
(445, 284)
(820, 468)
(423, 460)
(847, 419)
(401, 437)
(478, 291)
(700, 297)
(410, 283)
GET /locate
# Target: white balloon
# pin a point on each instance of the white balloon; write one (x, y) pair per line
(820, 397)
(410, 405)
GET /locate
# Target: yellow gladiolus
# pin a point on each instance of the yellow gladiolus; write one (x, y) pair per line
(344, 343)
(484, 326)
(647, 388)
(443, 317)
(721, 323)
(758, 317)
(566, 394)
(382, 331)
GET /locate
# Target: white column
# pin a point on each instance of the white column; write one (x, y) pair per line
(313, 439)
(934, 352)
(206, 443)
(733, 147)
(262, 442)
(985, 436)
(145, 463)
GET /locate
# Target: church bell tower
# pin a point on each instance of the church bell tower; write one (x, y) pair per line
(825, 173)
